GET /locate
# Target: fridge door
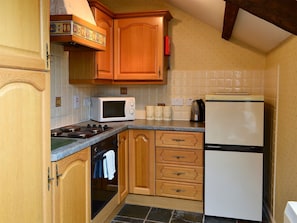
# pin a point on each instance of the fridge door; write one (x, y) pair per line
(231, 120)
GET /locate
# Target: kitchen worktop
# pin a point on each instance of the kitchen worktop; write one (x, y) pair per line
(117, 127)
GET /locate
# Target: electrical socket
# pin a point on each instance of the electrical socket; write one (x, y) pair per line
(177, 101)
(86, 101)
(58, 101)
(188, 101)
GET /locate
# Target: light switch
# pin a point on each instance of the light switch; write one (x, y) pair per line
(75, 102)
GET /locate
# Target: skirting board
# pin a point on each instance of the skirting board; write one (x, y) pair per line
(165, 202)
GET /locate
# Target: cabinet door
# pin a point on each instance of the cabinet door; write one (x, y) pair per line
(71, 193)
(142, 162)
(24, 146)
(123, 164)
(105, 58)
(138, 48)
(24, 34)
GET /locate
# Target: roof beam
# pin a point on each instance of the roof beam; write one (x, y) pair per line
(230, 15)
(282, 13)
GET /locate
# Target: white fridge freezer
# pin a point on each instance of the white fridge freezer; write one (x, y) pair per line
(234, 135)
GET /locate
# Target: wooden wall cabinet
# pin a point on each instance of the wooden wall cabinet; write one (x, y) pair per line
(134, 49)
(123, 165)
(94, 67)
(71, 188)
(24, 112)
(179, 164)
(139, 47)
(142, 162)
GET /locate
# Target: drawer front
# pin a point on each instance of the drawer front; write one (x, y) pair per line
(179, 173)
(180, 156)
(192, 140)
(178, 190)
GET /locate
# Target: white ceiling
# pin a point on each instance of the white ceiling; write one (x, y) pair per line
(248, 30)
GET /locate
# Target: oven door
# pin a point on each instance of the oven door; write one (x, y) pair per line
(104, 170)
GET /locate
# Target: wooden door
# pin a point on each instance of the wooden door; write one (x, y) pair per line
(142, 162)
(24, 146)
(24, 34)
(71, 190)
(138, 48)
(123, 164)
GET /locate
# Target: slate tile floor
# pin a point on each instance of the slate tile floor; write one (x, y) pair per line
(144, 214)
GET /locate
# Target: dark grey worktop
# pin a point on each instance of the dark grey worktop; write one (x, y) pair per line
(118, 127)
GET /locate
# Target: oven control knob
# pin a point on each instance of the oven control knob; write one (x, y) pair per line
(88, 126)
(105, 127)
(94, 125)
(100, 127)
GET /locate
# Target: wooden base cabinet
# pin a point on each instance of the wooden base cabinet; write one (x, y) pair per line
(123, 165)
(71, 188)
(179, 164)
(142, 162)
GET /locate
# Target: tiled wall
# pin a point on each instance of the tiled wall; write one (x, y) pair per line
(181, 84)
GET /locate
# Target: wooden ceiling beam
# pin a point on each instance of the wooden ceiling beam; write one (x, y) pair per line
(282, 13)
(230, 15)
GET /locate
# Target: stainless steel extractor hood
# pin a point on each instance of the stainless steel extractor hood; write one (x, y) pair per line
(72, 23)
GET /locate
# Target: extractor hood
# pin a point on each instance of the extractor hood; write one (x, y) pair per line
(72, 24)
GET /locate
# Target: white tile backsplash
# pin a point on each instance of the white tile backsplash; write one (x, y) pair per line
(183, 84)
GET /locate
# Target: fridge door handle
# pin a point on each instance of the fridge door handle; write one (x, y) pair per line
(213, 147)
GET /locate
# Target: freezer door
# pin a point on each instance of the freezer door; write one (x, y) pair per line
(233, 184)
(234, 123)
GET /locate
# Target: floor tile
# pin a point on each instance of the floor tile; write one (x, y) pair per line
(121, 219)
(160, 215)
(134, 211)
(183, 216)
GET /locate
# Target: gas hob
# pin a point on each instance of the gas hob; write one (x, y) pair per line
(78, 131)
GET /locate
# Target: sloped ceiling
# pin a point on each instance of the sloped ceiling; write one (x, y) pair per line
(248, 30)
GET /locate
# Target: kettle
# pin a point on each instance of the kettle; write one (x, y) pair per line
(198, 111)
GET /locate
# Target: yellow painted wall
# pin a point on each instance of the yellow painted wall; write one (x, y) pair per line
(285, 57)
(195, 45)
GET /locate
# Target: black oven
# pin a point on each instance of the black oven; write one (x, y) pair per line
(104, 173)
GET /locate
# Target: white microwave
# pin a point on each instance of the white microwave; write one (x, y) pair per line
(109, 109)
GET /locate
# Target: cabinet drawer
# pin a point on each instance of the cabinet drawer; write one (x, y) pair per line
(192, 140)
(179, 190)
(179, 173)
(180, 156)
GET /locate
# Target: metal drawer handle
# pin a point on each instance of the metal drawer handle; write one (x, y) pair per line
(178, 140)
(179, 157)
(179, 173)
(179, 190)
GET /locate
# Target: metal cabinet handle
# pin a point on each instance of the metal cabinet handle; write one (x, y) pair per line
(49, 178)
(58, 174)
